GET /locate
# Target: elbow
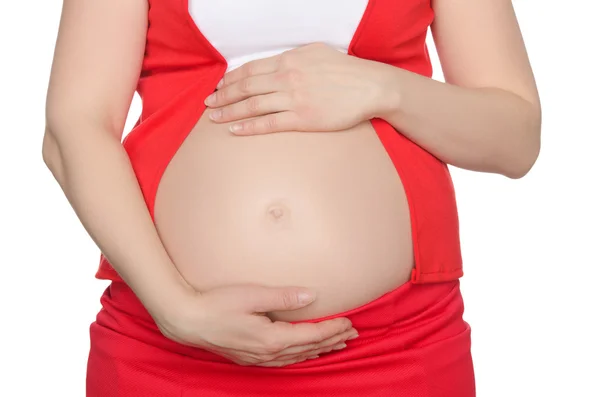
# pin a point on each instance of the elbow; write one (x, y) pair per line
(51, 155)
(524, 154)
(518, 168)
(48, 148)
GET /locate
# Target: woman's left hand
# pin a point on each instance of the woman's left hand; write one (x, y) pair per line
(310, 88)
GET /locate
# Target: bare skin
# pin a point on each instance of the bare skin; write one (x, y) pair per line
(486, 118)
(93, 78)
(325, 211)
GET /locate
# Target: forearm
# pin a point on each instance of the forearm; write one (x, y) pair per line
(486, 129)
(96, 176)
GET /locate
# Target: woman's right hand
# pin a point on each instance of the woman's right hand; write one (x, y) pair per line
(231, 322)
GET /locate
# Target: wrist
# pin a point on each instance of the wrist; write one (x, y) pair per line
(161, 292)
(387, 101)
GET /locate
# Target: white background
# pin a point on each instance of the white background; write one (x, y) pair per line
(530, 246)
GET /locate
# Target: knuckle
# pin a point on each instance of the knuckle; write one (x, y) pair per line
(249, 125)
(253, 104)
(272, 124)
(280, 76)
(278, 65)
(283, 60)
(297, 96)
(288, 299)
(221, 96)
(294, 76)
(300, 103)
(228, 112)
(245, 86)
(248, 69)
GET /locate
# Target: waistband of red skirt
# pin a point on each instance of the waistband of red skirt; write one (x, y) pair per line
(413, 315)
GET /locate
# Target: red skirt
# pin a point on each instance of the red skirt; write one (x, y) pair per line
(413, 343)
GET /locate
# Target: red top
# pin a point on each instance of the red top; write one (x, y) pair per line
(181, 68)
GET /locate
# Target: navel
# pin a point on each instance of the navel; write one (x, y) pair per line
(278, 214)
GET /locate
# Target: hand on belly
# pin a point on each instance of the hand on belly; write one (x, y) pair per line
(324, 211)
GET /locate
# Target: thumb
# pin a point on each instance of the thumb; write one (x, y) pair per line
(267, 299)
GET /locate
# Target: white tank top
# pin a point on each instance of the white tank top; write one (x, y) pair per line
(244, 30)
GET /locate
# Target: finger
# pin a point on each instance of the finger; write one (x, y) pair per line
(269, 299)
(273, 122)
(282, 363)
(285, 334)
(314, 347)
(258, 105)
(245, 357)
(244, 88)
(315, 352)
(248, 357)
(329, 349)
(253, 68)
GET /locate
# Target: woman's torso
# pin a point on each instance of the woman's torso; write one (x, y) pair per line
(326, 211)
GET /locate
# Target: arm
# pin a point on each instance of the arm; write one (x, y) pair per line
(487, 117)
(94, 74)
(96, 65)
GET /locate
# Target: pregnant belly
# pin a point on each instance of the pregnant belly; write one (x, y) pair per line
(325, 211)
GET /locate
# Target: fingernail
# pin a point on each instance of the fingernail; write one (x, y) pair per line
(220, 83)
(353, 336)
(305, 297)
(210, 99)
(339, 347)
(216, 115)
(313, 357)
(235, 128)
